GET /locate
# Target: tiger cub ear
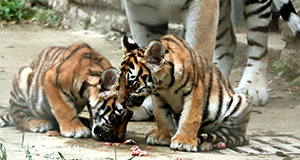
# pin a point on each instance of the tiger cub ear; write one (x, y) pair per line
(128, 44)
(154, 55)
(109, 78)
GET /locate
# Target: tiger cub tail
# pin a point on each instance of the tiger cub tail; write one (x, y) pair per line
(6, 120)
(232, 127)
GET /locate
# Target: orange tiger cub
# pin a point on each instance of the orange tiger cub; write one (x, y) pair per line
(193, 103)
(56, 87)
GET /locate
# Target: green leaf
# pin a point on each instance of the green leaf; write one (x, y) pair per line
(23, 137)
(131, 157)
(61, 156)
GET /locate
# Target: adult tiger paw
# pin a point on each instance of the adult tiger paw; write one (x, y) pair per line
(77, 131)
(254, 83)
(183, 143)
(156, 137)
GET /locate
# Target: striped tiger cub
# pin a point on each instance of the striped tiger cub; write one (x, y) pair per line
(56, 87)
(193, 103)
(148, 20)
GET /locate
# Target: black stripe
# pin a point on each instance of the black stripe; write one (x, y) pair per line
(184, 84)
(4, 120)
(93, 59)
(29, 82)
(171, 39)
(195, 67)
(182, 42)
(265, 53)
(156, 29)
(222, 20)
(263, 29)
(75, 117)
(83, 45)
(207, 102)
(286, 10)
(218, 45)
(16, 113)
(135, 60)
(139, 74)
(229, 104)
(66, 94)
(254, 43)
(83, 87)
(266, 15)
(235, 109)
(259, 10)
(172, 74)
(150, 79)
(187, 93)
(249, 2)
(142, 4)
(186, 5)
(222, 34)
(220, 102)
(225, 55)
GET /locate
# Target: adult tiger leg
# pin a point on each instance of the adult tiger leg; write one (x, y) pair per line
(225, 40)
(161, 135)
(254, 80)
(145, 21)
(145, 112)
(200, 22)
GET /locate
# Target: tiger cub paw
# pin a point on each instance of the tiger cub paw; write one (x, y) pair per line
(183, 143)
(76, 131)
(38, 125)
(156, 137)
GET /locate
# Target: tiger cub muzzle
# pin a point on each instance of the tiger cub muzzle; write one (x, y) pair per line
(112, 134)
(135, 101)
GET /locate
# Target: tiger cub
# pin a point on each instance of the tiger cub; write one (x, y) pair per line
(193, 103)
(148, 20)
(56, 87)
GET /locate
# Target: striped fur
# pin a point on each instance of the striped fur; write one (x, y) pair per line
(6, 120)
(193, 103)
(55, 88)
(148, 20)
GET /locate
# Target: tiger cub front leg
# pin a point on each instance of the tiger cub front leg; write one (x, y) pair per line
(190, 120)
(163, 118)
(69, 123)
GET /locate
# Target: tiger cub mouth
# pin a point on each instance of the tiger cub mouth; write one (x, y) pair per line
(135, 101)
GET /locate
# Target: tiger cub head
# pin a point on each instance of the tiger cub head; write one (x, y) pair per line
(141, 70)
(109, 117)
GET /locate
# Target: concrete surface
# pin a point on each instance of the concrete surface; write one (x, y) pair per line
(274, 129)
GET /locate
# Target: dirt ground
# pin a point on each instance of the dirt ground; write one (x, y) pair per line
(274, 129)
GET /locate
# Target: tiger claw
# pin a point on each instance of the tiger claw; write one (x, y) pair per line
(184, 144)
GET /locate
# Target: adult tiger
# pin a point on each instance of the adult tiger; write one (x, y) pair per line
(148, 20)
(193, 103)
(56, 87)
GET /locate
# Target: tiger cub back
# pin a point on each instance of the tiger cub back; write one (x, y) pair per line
(51, 92)
(193, 103)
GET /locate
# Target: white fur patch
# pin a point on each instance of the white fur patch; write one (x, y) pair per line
(294, 23)
(131, 41)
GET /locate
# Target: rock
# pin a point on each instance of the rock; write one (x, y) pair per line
(119, 23)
